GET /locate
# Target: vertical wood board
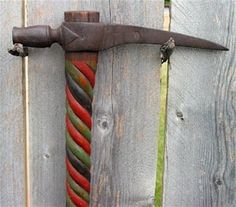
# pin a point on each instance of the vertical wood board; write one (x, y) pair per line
(12, 179)
(200, 150)
(47, 109)
(126, 109)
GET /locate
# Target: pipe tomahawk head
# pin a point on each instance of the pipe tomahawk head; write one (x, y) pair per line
(83, 36)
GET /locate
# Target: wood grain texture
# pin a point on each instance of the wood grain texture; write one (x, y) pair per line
(126, 109)
(200, 150)
(12, 179)
(47, 110)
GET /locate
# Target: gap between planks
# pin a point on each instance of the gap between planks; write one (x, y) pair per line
(25, 92)
(161, 140)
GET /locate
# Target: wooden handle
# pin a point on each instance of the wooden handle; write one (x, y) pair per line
(80, 75)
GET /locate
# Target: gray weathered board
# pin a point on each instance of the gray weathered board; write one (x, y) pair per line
(125, 110)
(200, 168)
(12, 171)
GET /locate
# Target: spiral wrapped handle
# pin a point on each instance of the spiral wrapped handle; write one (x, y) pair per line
(80, 78)
(80, 70)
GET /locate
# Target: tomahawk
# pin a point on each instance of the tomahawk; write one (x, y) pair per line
(82, 36)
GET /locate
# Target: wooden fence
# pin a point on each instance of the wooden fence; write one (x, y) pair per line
(200, 163)
(200, 147)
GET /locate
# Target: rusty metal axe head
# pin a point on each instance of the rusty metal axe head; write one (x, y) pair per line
(77, 36)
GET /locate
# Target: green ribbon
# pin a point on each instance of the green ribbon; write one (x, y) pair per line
(78, 151)
(79, 78)
(77, 189)
(78, 124)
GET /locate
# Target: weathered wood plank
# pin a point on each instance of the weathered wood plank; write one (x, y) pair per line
(200, 150)
(12, 179)
(47, 106)
(47, 110)
(126, 110)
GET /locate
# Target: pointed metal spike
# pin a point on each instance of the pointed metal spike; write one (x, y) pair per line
(120, 34)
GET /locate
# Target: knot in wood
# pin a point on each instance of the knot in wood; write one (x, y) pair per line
(104, 123)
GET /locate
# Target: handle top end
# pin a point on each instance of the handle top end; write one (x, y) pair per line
(81, 16)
